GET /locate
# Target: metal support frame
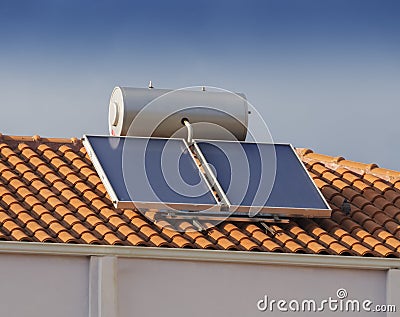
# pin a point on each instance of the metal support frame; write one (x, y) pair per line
(211, 178)
(217, 216)
(198, 225)
(268, 228)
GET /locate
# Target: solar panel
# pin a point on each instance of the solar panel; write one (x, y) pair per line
(246, 178)
(269, 178)
(150, 173)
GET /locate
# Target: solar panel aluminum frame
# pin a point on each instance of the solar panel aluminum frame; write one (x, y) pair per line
(99, 169)
(147, 204)
(265, 211)
(219, 207)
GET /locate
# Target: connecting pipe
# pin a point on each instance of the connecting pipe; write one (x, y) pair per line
(190, 131)
(210, 177)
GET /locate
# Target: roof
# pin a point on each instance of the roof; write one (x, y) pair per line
(50, 192)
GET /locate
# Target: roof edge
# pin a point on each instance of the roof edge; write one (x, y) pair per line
(38, 138)
(332, 162)
(245, 257)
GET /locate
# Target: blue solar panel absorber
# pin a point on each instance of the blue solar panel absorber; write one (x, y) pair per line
(264, 178)
(149, 173)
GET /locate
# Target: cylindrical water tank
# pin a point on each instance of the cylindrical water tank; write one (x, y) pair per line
(159, 113)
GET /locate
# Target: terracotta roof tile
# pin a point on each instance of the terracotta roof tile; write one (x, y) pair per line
(136, 240)
(393, 242)
(329, 192)
(329, 176)
(262, 238)
(271, 246)
(392, 227)
(148, 231)
(66, 237)
(20, 235)
(125, 230)
(315, 247)
(360, 201)
(130, 214)
(370, 194)
(50, 192)
(112, 238)
(180, 241)
(396, 185)
(371, 226)
(347, 175)
(203, 243)
(71, 220)
(392, 212)
(249, 245)
(116, 221)
(89, 238)
(33, 226)
(307, 240)
(391, 195)
(226, 244)
(159, 241)
(42, 236)
(340, 184)
(47, 218)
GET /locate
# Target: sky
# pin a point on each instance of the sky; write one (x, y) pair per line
(323, 74)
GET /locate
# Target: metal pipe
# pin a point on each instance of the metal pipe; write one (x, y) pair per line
(190, 131)
(211, 177)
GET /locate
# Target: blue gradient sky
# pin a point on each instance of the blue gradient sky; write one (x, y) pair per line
(324, 74)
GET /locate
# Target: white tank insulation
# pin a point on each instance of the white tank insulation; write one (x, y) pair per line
(159, 113)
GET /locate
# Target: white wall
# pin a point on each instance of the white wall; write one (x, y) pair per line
(173, 288)
(76, 284)
(40, 286)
